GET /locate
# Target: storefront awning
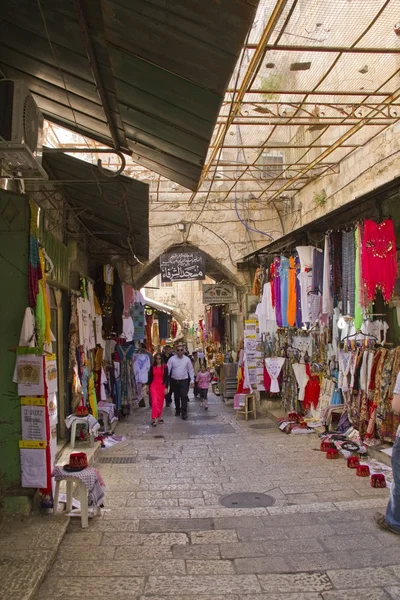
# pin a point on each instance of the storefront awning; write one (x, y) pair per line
(115, 210)
(158, 306)
(142, 76)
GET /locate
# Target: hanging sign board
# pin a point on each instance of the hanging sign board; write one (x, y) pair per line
(218, 293)
(182, 266)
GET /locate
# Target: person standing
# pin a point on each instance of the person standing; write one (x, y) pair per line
(158, 387)
(181, 375)
(166, 355)
(391, 521)
(203, 379)
(197, 362)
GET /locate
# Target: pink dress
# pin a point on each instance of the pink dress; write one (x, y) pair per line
(157, 389)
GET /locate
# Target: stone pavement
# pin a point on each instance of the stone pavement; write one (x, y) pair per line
(165, 534)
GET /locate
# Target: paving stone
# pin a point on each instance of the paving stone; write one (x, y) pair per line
(394, 592)
(368, 578)
(150, 539)
(139, 552)
(182, 494)
(191, 502)
(209, 567)
(278, 596)
(196, 551)
(158, 502)
(166, 525)
(262, 533)
(111, 525)
(85, 553)
(147, 513)
(300, 545)
(213, 537)
(206, 584)
(86, 538)
(357, 504)
(127, 568)
(300, 508)
(218, 511)
(98, 587)
(264, 564)
(359, 594)
(315, 562)
(242, 550)
(238, 522)
(197, 597)
(295, 582)
(350, 542)
(150, 495)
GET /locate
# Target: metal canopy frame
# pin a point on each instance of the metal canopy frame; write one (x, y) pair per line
(315, 82)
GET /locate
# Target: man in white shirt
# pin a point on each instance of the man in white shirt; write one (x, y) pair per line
(391, 521)
(180, 370)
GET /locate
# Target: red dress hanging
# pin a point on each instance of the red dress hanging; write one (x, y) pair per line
(379, 264)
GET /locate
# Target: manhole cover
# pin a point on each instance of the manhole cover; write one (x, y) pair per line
(263, 426)
(118, 460)
(246, 500)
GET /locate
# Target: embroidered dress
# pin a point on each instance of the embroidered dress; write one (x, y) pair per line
(348, 273)
(327, 299)
(292, 298)
(301, 377)
(379, 264)
(299, 320)
(335, 248)
(274, 367)
(284, 278)
(277, 291)
(125, 354)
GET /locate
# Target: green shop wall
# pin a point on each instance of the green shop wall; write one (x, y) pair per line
(14, 234)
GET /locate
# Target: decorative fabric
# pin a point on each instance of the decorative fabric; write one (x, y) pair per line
(125, 354)
(312, 390)
(335, 245)
(358, 315)
(277, 291)
(305, 286)
(274, 367)
(306, 257)
(163, 325)
(299, 320)
(317, 270)
(301, 377)
(327, 298)
(284, 279)
(292, 298)
(348, 273)
(90, 477)
(272, 279)
(379, 264)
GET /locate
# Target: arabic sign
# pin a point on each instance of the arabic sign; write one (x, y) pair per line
(218, 293)
(182, 266)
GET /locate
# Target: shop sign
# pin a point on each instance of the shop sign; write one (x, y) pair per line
(218, 293)
(182, 266)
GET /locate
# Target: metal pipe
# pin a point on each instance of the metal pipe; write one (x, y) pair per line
(84, 25)
(105, 172)
(344, 50)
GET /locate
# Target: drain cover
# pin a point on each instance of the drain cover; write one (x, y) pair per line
(246, 500)
(263, 426)
(118, 460)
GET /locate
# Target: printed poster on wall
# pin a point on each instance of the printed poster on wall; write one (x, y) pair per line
(51, 374)
(33, 420)
(30, 376)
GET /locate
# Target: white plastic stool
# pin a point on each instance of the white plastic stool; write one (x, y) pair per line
(80, 421)
(83, 497)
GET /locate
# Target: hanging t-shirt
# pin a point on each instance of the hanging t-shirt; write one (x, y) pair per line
(305, 279)
(141, 367)
(128, 328)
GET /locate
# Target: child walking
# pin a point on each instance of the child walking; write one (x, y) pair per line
(203, 379)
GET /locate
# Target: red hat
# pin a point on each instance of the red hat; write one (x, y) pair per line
(362, 471)
(326, 446)
(353, 462)
(378, 480)
(77, 462)
(81, 411)
(332, 453)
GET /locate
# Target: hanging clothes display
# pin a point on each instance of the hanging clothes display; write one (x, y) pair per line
(327, 298)
(274, 366)
(379, 263)
(305, 280)
(126, 376)
(292, 289)
(163, 325)
(300, 372)
(348, 273)
(284, 284)
(277, 291)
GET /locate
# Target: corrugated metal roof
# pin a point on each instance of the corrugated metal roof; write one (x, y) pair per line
(164, 67)
(114, 210)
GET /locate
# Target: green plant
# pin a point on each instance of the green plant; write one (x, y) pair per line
(270, 84)
(319, 198)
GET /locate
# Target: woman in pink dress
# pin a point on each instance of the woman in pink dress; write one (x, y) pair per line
(158, 387)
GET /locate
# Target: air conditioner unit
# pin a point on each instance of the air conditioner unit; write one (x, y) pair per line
(271, 165)
(21, 131)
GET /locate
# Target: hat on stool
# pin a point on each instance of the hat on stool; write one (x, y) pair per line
(77, 462)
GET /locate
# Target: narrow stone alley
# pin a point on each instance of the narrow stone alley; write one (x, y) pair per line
(165, 533)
